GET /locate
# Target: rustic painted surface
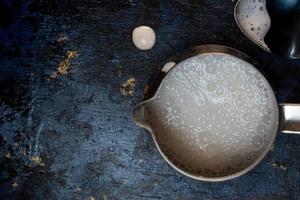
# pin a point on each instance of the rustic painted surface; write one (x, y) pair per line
(65, 128)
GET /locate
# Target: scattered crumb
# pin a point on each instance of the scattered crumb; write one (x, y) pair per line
(168, 66)
(77, 189)
(37, 160)
(146, 90)
(104, 197)
(8, 155)
(279, 165)
(61, 38)
(15, 184)
(128, 87)
(91, 198)
(16, 144)
(64, 66)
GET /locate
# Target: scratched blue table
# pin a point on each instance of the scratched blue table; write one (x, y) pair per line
(65, 128)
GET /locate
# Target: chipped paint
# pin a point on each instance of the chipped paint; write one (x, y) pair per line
(128, 87)
(64, 66)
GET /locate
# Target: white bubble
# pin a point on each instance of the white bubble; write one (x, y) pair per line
(143, 37)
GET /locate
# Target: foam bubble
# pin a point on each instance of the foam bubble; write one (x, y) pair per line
(254, 20)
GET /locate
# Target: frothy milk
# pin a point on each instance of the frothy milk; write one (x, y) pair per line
(254, 20)
(213, 115)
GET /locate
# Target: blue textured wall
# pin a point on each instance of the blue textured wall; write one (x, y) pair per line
(72, 137)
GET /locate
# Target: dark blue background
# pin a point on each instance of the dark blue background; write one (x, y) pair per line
(80, 124)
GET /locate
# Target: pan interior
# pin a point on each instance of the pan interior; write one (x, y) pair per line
(213, 115)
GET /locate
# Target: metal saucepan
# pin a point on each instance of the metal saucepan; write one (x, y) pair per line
(214, 116)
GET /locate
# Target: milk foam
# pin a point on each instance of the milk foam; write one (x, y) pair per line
(254, 20)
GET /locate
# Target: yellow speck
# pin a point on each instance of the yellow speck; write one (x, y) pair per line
(37, 160)
(128, 87)
(64, 66)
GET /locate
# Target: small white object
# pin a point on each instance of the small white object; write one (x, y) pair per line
(168, 66)
(143, 37)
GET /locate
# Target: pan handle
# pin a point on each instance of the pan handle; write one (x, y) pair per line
(290, 118)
